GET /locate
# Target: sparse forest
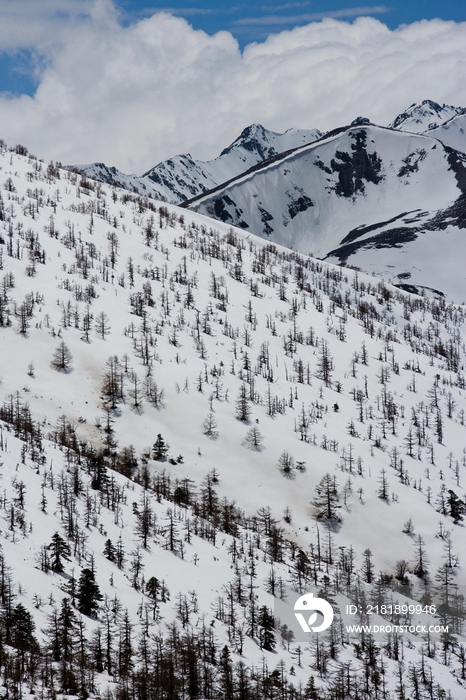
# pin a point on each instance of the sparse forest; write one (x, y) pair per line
(196, 424)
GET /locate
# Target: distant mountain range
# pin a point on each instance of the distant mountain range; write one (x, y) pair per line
(389, 200)
(180, 178)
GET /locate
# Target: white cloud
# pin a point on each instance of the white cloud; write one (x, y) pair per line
(133, 96)
(29, 24)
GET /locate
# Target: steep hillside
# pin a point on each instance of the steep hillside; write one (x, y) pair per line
(214, 426)
(385, 201)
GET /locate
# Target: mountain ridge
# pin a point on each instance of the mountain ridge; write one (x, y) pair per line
(181, 177)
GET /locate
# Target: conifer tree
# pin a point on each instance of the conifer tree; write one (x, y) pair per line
(89, 594)
(21, 631)
(109, 550)
(59, 551)
(62, 357)
(456, 506)
(145, 520)
(243, 410)
(159, 449)
(67, 623)
(254, 440)
(153, 589)
(422, 563)
(266, 625)
(327, 499)
(383, 486)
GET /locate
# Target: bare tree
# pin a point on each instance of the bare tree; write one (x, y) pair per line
(154, 395)
(112, 384)
(102, 327)
(135, 392)
(421, 562)
(324, 363)
(209, 426)
(286, 463)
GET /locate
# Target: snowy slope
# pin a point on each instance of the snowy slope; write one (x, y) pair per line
(181, 177)
(359, 195)
(338, 373)
(452, 133)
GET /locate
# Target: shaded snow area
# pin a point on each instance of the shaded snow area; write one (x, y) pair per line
(196, 425)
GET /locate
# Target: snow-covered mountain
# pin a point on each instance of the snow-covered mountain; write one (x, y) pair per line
(426, 116)
(445, 123)
(181, 177)
(388, 221)
(198, 427)
(387, 201)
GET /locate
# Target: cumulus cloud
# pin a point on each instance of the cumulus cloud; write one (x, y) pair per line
(134, 95)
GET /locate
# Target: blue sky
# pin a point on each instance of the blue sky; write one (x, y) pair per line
(246, 21)
(254, 21)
